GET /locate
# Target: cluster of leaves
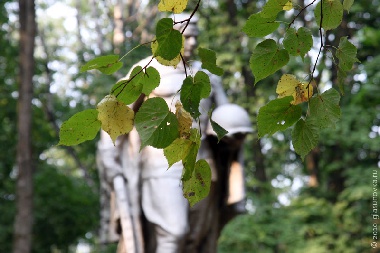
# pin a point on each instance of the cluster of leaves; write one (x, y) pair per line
(323, 109)
(156, 124)
(161, 128)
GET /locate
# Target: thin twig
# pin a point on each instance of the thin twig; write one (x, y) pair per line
(299, 13)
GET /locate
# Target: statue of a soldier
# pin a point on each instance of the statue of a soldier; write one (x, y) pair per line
(150, 212)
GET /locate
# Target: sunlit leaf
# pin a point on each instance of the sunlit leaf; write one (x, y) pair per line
(298, 42)
(332, 14)
(175, 6)
(277, 115)
(288, 85)
(127, 91)
(288, 6)
(81, 127)
(259, 26)
(169, 40)
(198, 186)
(116, 117)
(305, 137)
(178, 150)
(324, 109)
(273, 7)
(347, 4)
(156, 124)
(108, 64)
(208, 59)
(193, 90)
(267, 58)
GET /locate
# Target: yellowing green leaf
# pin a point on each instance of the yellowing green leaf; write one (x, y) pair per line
(156, 124)
(267, 58)
(332, 13)
(273, 7)
(288, 85)
(81, 127)
(347, 4)
(175, 6)
(305, 137)
(191, 157)
(116, 117)
(288, 6)
(177, 150)
(198, 186)
(184, 120)
(277, 115)
(259, 26)
(169, 40)
(161, 60)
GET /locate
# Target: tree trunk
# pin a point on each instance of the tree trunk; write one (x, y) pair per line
(22, 242)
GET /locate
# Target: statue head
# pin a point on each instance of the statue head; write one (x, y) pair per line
(190, 34)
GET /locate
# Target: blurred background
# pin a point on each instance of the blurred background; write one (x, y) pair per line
(322, 204)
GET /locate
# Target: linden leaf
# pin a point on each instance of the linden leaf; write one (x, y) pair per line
(347, 4)
(288, 85)
(175, 6)
(107, 64)
(185, 120)
(156, 124)
(169, 40)
(273, 7)
(193, 90)
(208, 59)
(191, 157)
(150, 80)
(116, 117)
(305, 137)
(324, 109)
(332, 13)
(277, 115)
(161, 60)
(177, 150)
(267, 58)
(198, 186)
(218, 129)
(127, 91)
(259, 26)
(288, 6)
(298, 42)
(81, 127)
(346, 53)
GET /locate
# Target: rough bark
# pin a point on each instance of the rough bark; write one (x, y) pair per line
(24, 190)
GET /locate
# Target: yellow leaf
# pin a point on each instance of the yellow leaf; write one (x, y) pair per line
(290, 86)
(161, 60)
(288, 6)
(116, 117)
(176, 6)
(184, 120)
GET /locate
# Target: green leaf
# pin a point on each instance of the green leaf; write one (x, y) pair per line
(208, 59)
(108, 64)
(332, 13)
(346, 53)
(267, 58)
(305, 137)
(277, 115)
(218, 129)
(198, 186)
(347, 4)
(273, 7)
(169, 40)
(156, 125)
(193, 90)
(150, 80)
(116, 117)
(127, 91)
(324, 109)
(298, 42)
(81, 127)
(178, 150)
(190, 159)
(259, 26)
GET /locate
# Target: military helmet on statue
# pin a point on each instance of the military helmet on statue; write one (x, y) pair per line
(231, 117)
